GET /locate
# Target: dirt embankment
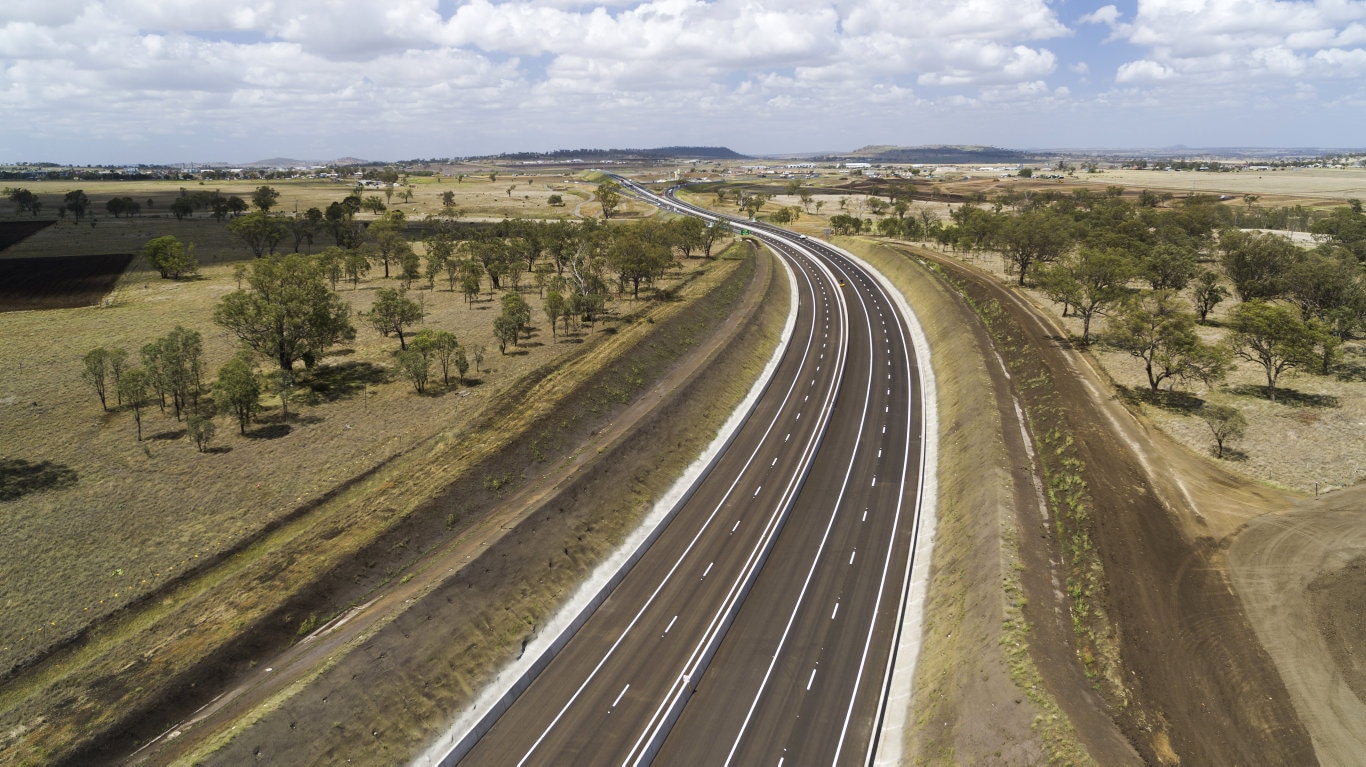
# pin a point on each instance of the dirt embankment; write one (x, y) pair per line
(588, 475)
(1187, 680)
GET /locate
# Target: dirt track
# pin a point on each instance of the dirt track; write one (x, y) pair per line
(1201, 689)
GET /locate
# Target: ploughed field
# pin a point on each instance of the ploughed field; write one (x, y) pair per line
(58, 282)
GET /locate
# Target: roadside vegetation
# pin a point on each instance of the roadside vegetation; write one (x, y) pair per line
(1194, 303)
(252, 374)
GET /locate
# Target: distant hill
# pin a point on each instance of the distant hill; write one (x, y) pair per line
(948, 154)
(601, 155)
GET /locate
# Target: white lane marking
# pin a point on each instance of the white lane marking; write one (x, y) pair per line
(852, 554)
(789, 435)
(836, 612)
(671, 624)
(874, 482)
(798, 418)
(736, 527)
(775, 463)
(879, 453)
(865, 516)
(623, 692)
(704, 572)
(812, 679)
(807, 397)
(884, 429)
(756, 491)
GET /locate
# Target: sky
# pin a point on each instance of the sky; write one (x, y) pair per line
(170, 81)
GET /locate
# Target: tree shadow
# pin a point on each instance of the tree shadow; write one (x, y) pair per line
(1287, 397)
(1230, 454)
(167, 436)
(329, 383)
(1350, 371)
(19, 477)
(1165, 399)
(270, 431)
(218, 450)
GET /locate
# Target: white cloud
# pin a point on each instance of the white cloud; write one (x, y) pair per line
(443, 74)
(1143, 72)
(1249, 40)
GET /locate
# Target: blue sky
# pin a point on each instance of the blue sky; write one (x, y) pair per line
(130, 81)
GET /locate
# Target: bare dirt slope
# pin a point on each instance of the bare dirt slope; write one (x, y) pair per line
(1197, 685)
(1302, 577)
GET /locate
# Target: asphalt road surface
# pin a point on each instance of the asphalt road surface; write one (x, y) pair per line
(760, 627)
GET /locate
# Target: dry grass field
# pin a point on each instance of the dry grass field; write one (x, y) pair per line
(140, 515)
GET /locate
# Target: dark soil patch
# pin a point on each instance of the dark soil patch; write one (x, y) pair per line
(15, 232)
(59, 282)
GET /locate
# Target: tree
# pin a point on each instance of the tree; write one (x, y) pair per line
(390, 245)
(392, 312)
(24, 201)
(1092, 280)
(264, 198)
(1324, 280)
(636, 257)
(356, 266)
(182, 208)
(237, 391)
(1256, 263)
(288, 314)
(555, 201)
(1208, 293)
(76, 202)
(175, 363)
(259, 231)
(516, 309)
(505, 330)
(96, 372)
(717, 230)
(461, 362)
(608, 195)
(304, 228)
(555, 308)
(477, 353)
(120, 206)
(1226, 423)
(1169, 267)
(1272, 336)
(373, 204)
(132, 386)
(332, 262)
(471, 279)
(439, 345)
(201, 429)
(282, 385)
(1159, 330)
(1034, 237)
(416, 367)
(171, 258)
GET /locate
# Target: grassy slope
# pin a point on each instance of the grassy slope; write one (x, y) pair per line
(405, 682)
(974, 656)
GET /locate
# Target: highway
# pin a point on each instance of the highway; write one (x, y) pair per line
(760, 626)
